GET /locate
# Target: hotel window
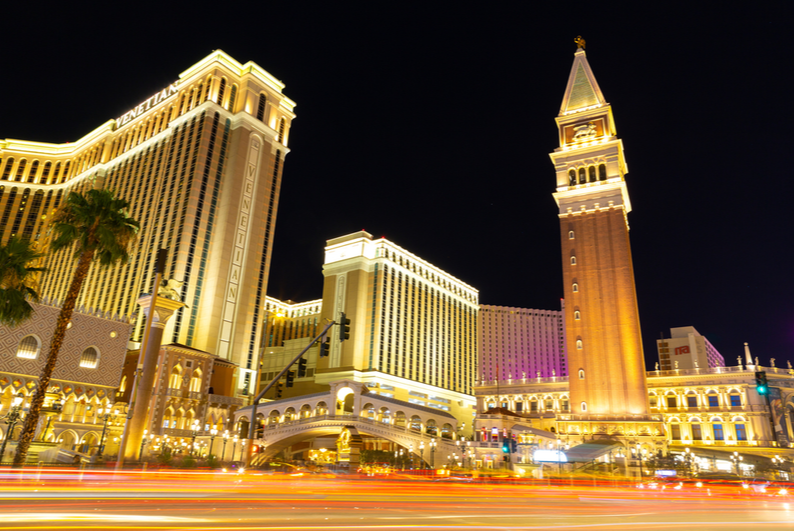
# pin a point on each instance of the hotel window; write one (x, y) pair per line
(7, 170)
(696, 429)
(735, 401)
(533, 406)
(575, 287)
(592, 174)
(89, 358)
(564, 405)
(670, 401)
(713, 400)
(29, 348)
(692, 401)
(717, 431)
(583, 406)
(581, 374)
(676, 432)
(261, 108)
(20, 170)
(582, 175)
(221, 90)
(573, 260)
(232, 95)
(34, 168)
(579, 344)
(602, 172)
(576, 315)
(572, 178)
(740, 431)
(281, 135)
(571, 234)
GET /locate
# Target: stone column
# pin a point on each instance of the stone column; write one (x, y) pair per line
(133, 434)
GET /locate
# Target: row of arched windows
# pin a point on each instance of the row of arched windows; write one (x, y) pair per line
(583, 175)
(49, 174)
(30, 347)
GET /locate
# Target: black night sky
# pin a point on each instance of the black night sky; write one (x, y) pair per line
(432, 126)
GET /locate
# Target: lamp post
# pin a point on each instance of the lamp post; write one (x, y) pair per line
(213, 433)
(11, 420)
(56, 407)
(226, 439)
(737, 459)
(107, 415)
(234, 443)
(143, 443)
(193, 428)
(433, 450)
(422, 454)
(411, 456)
(402, 460)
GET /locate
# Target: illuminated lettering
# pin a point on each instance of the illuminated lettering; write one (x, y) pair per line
(232, 295)
(249, 187)
(243, 221)
(238, 257)
(246, 204)
(235, 274)
(682, 350)
(147, 104)
(241, 238)
(251, 170)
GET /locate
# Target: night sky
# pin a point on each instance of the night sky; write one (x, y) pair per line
(433, 126)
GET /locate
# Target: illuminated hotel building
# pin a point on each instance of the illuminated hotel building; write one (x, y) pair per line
(200, 162)
(687, 349)
(285, 320)
(413, 327)
(521, 342)
(605, 355)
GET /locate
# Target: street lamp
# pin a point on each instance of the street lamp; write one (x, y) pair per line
(143, 443)
(411, 456)
(226, 439)
(433, 449)
(234, 443)
(193, 428)
(11, 420)
(737, 459)
(422, 453)
(107, 416)
(56, 407)
(213, 433)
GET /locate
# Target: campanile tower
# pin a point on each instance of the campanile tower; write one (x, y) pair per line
(606, 367)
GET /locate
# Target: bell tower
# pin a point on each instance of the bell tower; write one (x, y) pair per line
(607, 374)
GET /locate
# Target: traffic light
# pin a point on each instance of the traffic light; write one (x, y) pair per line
(278, 389)
(345, 327)
(506, 446)
(325, 347)
(301, 368)
(513, 445)
(288, 378)
(761, 383)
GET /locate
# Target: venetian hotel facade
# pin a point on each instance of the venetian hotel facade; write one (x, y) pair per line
(200, 162)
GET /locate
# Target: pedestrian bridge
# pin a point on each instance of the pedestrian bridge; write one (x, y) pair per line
(348, 404)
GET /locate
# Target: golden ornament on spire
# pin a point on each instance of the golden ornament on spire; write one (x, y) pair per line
(580, 42)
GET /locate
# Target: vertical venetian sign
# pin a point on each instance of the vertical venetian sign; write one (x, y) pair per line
(239, 250)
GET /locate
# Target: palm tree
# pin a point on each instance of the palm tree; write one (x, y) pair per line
(96, 224)
(17, 280)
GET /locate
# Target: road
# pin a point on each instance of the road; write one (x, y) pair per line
(185, 501)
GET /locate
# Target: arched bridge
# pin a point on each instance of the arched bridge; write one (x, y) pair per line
(349, 404)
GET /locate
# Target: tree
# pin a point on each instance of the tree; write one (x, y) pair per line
(17, 280)
(97, 226)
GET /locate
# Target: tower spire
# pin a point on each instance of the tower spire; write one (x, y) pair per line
(582, 90)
